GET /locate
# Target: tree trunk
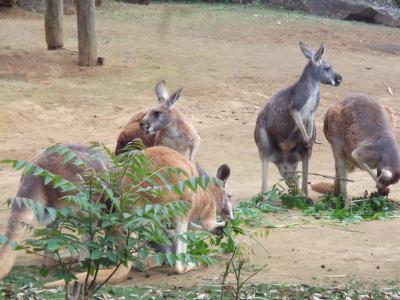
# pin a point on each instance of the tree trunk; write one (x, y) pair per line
(53, 24)
(87, 42)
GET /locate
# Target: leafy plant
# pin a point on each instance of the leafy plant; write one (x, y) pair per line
(367, 207)
(235, 265)
(251, 211)
(115, 213)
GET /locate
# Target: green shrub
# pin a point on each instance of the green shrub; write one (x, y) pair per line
(117, 217)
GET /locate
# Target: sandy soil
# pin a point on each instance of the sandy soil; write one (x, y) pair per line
(230, 60)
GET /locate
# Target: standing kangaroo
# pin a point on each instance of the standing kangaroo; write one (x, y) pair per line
(33, 187)
(204, 205)
(163, 125)
(362, 134)
(285, 128)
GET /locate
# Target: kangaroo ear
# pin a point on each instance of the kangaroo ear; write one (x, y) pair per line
(223, 172)
(318, 55)
(161, 91)
(174, 97)
(308, 53)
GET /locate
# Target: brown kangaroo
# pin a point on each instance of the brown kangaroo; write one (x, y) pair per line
(362, 134)
(33, 187)
(204, 205)
(163, 125)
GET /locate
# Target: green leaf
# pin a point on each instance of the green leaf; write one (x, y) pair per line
(170, 258)
(29, 167)
(53, 245)
(69, 156)
(19, 165)
(44, 272)
(3, 239)
(160, 258)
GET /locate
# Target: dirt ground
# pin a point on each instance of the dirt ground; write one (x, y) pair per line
(230, 60)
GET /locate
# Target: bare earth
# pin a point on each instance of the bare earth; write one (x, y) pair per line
(230, 60)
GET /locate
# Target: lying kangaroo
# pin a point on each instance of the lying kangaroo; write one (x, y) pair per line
(285, 128)
(33, 187)
(204, 205)
(163, 125)
(362, 134)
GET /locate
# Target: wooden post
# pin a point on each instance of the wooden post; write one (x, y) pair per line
(53, 24)
(87, 42)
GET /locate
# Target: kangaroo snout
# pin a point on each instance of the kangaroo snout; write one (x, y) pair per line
(218, 230)
(228, 214)
(145, 126)
(338, 80)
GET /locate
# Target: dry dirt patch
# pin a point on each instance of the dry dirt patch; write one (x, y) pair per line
(230, 59)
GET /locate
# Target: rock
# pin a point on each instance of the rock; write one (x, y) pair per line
(40, 5)
(384, 12)
(8, 2)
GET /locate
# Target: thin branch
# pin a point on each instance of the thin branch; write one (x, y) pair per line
(226, 273)
(325, 176)
(93, 283)
(108, 278)
(252, 275)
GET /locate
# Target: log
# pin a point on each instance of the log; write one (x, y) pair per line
(87, 41)
(53, 20)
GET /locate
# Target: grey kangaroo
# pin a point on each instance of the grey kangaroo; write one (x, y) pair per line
(33, 187)
(285, 127)
(362, 134)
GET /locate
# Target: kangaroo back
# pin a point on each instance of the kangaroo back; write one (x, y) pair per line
(361, 132)
(33, 187)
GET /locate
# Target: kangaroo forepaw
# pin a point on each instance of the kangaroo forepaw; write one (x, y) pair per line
(383, 190)
(181, 269)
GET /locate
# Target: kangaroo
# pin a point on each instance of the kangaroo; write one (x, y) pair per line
(33, 187)
(285, 128)
(204, 205)
(162, 125)
(362, 134)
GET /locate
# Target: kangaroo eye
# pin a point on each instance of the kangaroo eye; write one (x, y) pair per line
(156, 114)
(327, 68)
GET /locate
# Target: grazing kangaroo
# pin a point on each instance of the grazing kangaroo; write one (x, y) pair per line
(362, 134)
(285, 127)
(163, 125)
(33, 187)
(204, 205)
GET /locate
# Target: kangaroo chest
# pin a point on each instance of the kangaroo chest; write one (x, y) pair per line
(175, 140)
(310, 105)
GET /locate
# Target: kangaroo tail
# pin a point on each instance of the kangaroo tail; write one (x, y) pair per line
(120, 275)
(323, 187)
(19, 216)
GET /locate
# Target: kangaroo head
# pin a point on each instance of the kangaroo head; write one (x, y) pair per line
(388, 176)
(287, 168)
(159, 117)
(320, 68)
(225, 206)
